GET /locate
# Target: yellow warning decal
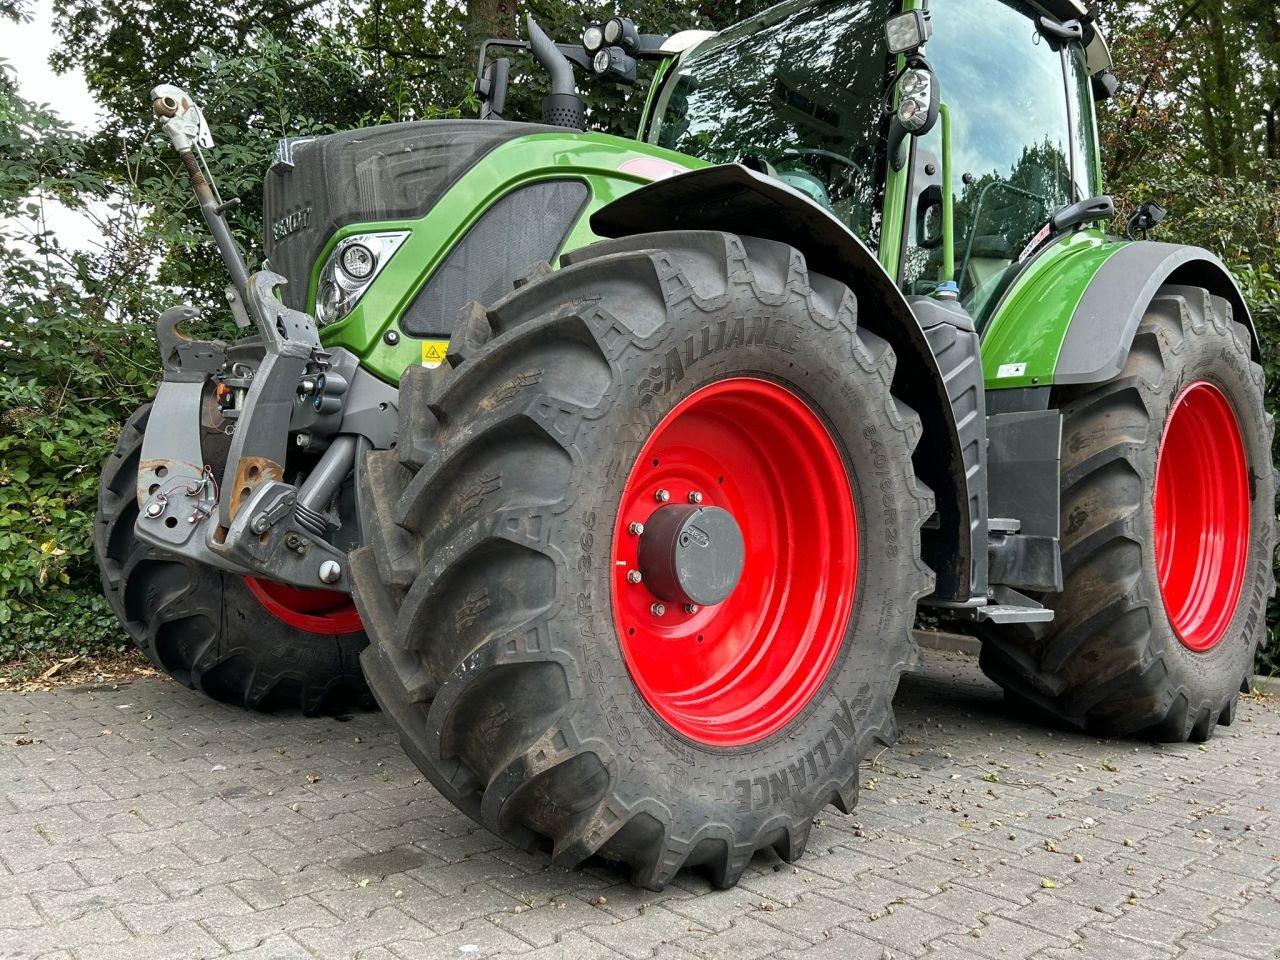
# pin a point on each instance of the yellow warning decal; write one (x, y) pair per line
(433, 352)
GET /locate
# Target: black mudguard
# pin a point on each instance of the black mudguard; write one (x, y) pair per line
(737, 200)
(1107, 317)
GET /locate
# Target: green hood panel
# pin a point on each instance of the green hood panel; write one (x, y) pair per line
(609, 166)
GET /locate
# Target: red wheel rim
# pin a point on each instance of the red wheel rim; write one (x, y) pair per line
(735, 672)
(1201, 515)
(315, 611)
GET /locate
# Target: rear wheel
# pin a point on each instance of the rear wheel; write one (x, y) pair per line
(642, 570)
(252, 642)
(1168, 534)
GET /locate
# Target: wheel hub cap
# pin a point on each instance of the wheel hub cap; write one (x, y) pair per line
(691, 554)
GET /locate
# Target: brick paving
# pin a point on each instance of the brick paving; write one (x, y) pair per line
(148, 822)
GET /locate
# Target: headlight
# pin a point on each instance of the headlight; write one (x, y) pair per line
(601, 61)
(592, 38)
(351, 267)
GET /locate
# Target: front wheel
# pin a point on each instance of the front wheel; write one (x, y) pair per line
(1168, 531)
(642, 570)
(251, 642)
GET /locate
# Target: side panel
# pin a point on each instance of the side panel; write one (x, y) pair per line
(1022, 340)
(610, 166)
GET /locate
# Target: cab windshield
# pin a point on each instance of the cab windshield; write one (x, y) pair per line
(796, 93)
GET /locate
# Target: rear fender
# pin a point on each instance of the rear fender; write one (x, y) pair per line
(1106, 319)
(1072, 315)
(736, 200)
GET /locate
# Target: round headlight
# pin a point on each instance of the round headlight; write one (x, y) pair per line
(914, 81)
(600, 63)
(592, 38)
(358, 261)
(331, 303)
(613, 31)
(912, 114)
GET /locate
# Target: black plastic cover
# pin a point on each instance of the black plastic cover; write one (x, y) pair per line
(388, 172)
(527, 225)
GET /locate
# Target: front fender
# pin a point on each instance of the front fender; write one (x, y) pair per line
(733, 199)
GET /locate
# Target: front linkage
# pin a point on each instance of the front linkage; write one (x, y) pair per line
(267, 392)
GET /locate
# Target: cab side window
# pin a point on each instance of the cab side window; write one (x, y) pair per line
(1012, 147)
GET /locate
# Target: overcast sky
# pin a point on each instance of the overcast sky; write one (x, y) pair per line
(26, 47)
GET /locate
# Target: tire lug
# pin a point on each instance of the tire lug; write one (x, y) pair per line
(658, 609)
(662, 496)
(633, 576)
(691, 608)
(695, 496)
(636, 529)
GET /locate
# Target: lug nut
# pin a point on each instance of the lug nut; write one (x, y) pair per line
(154, 509)
(695, 496)
(633, 576)
(662, 496)
(330, 571)
(691, 608)
(636, 529)
(658, 610)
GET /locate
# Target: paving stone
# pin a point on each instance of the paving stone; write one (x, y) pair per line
(135, 845)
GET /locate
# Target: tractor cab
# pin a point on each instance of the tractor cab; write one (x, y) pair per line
(812, 94)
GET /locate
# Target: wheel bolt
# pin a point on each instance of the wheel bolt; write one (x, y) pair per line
(695, 496)
(658, 609)
(633, 576)
(662, 496)
(691, 608)
(636, 529)
(155, 508)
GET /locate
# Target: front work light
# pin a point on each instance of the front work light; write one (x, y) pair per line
(593, 38)
(621, 32)
(908, 32)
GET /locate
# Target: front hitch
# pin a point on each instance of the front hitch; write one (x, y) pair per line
(279, 390)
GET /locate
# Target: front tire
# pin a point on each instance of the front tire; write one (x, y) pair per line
(1168, 533)
(260, 645)
(535, 684)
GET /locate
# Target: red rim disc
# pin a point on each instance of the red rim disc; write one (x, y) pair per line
(1201, 515)
(315, 611)
(735, 672)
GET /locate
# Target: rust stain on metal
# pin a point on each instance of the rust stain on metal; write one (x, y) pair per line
(163, 474)
(251, 472)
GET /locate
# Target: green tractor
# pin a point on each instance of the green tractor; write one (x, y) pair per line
(618, 469)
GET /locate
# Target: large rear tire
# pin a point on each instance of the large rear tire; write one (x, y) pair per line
(531, 678)
(252, 643)
(1168, 531)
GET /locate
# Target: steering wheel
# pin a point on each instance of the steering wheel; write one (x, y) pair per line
(839, 158)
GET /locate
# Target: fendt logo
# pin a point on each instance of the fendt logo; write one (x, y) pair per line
(281, 227)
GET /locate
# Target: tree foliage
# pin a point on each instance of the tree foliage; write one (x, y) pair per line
(1195, 124)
